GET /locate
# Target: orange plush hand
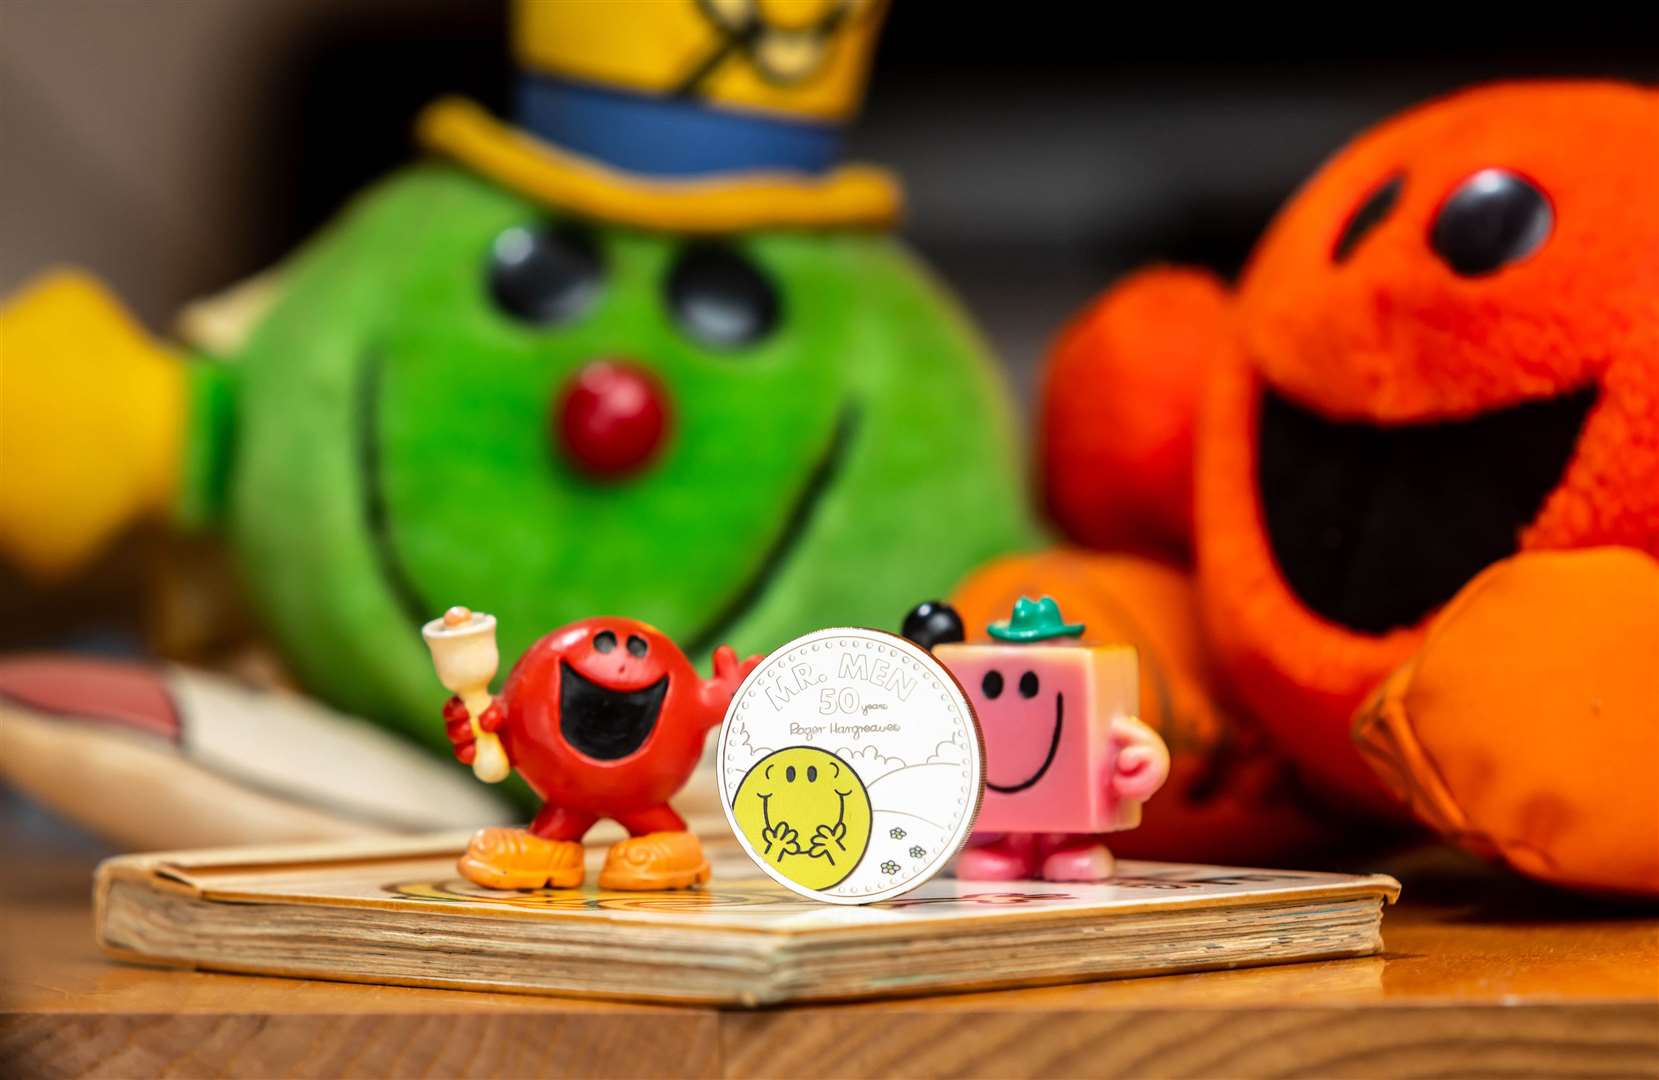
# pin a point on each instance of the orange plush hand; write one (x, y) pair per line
(1527, 726)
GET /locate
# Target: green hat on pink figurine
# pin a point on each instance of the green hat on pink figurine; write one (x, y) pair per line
(1034, 620)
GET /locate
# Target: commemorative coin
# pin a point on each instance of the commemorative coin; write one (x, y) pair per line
(850, 766)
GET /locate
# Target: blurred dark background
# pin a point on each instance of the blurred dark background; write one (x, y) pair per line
(179, 145)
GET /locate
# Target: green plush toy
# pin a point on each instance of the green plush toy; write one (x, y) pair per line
(651, 354)
(395, 444)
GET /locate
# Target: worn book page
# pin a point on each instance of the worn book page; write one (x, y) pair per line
(739, 898)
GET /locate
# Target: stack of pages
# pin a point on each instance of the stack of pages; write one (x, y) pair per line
(397, 912)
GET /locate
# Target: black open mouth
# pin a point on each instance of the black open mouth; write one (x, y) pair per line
(801, 512)
(1053, 748)
(414, 605)
(418, 609)
(1374, 527)
(606, 724)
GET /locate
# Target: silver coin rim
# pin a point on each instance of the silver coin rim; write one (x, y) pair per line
(976, 753)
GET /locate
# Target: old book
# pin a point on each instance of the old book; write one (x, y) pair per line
(396, 912)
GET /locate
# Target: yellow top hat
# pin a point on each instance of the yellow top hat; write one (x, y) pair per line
(691, 115)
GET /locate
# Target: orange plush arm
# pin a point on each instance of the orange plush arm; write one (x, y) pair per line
(1526, 729)
(1119, 399)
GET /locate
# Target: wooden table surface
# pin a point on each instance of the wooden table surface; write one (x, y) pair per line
(1483, 975)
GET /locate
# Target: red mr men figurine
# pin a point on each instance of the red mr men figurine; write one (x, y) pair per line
(604, 718)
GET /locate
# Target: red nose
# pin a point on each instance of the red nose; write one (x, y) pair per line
(612, 418)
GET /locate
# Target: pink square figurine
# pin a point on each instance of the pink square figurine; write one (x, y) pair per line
(1066, 758)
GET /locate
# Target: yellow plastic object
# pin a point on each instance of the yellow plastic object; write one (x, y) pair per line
(92, 417)
(849, 196)
(807, 59)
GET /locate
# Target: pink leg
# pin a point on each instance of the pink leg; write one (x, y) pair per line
(657, 819)
(1076, 858)
(1010, 857)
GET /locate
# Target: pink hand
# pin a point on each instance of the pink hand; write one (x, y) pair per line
(1141, 764)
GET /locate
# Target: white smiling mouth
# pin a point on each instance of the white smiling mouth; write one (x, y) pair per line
(1053, 748)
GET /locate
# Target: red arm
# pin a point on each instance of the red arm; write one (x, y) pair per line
(716, 692)
(1119, 398)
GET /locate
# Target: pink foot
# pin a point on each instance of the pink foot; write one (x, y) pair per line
(995, 862)
(1088, 862)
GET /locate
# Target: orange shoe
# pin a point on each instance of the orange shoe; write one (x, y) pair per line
(659, 860)
(500, 858)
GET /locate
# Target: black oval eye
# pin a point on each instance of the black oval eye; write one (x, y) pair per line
(545, 275)
(933, 622)
(812, 774)
(1494, 218)
(604, 641)
(789, 774)
(636, 645)
(720, 299)
(1367, 216)
(991, 684)
(1028, 684)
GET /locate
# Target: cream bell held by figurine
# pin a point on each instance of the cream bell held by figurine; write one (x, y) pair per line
(603, 718)
(465, 656)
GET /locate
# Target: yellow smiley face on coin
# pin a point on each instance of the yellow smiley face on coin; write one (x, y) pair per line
(806, 813)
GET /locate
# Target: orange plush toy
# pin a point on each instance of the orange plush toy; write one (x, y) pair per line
(1414, 461)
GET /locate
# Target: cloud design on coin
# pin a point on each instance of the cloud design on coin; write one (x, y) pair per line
(871, 764)
(950, 752)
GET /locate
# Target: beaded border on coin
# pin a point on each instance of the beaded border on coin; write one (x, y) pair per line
(939, 681)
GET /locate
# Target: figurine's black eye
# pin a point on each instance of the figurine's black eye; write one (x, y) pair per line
(1494, 218)
(789, 774)
(636, 645)
(812, 774)
(1028, 684)
(720, 299)
(1367, 216)
(933, 622)
(991, 684)
(545, 275)
(604, 641)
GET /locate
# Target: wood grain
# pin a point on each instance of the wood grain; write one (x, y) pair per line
(1554, 1040)
(356, 1044)
(1483, 976)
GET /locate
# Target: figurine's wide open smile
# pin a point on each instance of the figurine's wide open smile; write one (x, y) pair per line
(603, 723)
